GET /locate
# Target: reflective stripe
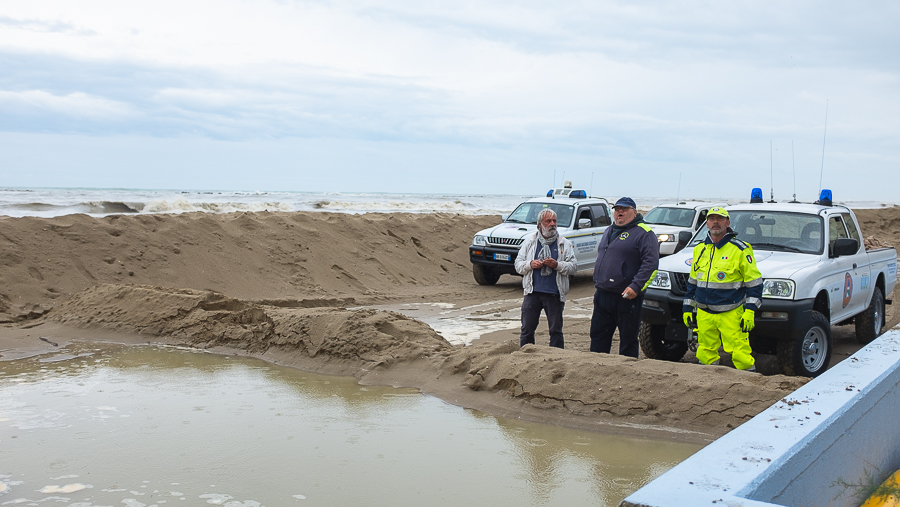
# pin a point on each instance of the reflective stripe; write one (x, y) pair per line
(652, 277)
(689, 302)
(754, 283)
(719, 308)
(754, 301)
(692, 280)
(720, 285)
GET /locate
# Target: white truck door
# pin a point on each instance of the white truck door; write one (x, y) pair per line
(584, 239)
(845, 282)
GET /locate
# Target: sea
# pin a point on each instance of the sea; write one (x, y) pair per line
(51, 202)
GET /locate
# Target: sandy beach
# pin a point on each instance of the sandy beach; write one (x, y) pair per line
(295, 289)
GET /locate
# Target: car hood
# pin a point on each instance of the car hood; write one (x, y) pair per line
(771, 264)
(512, 231)
(668, 229)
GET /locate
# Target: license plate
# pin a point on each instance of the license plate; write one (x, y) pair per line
(501, 257)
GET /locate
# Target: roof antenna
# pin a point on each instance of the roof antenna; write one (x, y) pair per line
(794, 168)
(591, 188)
(678, 195)
(771, 177)
(822, 170)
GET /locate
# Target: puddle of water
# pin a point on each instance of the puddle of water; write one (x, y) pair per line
(460, 326)
(100, 425)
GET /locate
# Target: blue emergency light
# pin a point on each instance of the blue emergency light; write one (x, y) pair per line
(578, 194)
(825, 197)
(756, 195)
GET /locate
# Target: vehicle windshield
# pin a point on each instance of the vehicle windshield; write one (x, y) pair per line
(527, 213)
(779, 231)
(679, 217)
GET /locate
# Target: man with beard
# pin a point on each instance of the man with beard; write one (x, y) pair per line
(725, 287)
(545, 261)
(627, 258)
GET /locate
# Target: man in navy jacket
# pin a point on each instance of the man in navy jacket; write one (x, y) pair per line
(627, 258)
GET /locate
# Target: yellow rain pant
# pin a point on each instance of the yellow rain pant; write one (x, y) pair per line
(715, 329)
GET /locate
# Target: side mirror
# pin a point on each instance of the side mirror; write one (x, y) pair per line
(683, 238)
(584, 223)
(844, 246)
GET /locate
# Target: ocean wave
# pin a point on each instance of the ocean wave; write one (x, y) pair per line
(392, 206)
(184, 206)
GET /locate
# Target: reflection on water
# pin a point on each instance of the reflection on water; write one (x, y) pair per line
(100, 425)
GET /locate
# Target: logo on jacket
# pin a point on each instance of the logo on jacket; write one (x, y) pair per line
(623, 236)
(750, 259)
(720, 276)
(848, 289)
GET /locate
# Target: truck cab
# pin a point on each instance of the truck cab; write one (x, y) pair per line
(580, 219)
(669, 220)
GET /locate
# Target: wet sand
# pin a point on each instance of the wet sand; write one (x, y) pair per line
(278, 286)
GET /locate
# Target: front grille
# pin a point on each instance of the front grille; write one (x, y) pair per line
(679, 283)
(504, 241)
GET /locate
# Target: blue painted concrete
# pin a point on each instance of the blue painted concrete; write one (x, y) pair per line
(840, 426)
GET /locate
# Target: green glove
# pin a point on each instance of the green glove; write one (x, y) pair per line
(747, 321)
(689, 320)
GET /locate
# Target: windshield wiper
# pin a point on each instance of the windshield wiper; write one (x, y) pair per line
(774, 246)
(513, 220)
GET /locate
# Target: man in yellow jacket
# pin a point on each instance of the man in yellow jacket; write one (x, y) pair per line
(725, 287)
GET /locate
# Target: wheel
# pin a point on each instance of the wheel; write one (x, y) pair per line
(870, 323)
(655, 346)
(484, 275)
(809, 355)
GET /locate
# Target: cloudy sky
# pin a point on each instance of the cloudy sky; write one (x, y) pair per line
(454, 96)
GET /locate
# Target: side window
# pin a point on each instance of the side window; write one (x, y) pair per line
(851, 226)
(702, 218)
(836, 231)
(601, 217)
(584, 213)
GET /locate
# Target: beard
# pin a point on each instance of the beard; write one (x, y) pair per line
(548, 231)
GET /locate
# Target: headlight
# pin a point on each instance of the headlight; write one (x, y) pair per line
(666, 237)
(781, 289)
(479, 240)
(661, 281)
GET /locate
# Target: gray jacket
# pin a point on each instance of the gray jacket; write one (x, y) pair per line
(565, 268)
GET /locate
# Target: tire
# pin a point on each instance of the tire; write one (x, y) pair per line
(809, 354)
(870, 323)
(655, 346)
(484, 275)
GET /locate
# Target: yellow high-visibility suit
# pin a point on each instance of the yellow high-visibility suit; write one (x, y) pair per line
(724, 282)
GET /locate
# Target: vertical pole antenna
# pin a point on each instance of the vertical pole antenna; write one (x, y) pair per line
(794, 169)
(771, 177)
(824, 134)
(678, 195)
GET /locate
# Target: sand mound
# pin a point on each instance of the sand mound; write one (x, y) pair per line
(343, 341)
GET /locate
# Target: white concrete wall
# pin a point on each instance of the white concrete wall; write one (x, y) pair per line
(837, 427)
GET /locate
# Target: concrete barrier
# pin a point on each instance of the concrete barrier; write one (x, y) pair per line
(840, 429)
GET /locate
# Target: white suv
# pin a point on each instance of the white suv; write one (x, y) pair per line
(580, 219)
(669, 220)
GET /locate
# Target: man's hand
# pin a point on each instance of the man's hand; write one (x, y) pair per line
(536, 264)
(748, 321)
(551, 263)
(689, 320)
(629, 293)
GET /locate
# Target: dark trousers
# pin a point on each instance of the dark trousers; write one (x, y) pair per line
(611, 310)
(531, 313)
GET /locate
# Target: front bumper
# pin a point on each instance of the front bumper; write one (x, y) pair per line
(502, 260)
(776, 319)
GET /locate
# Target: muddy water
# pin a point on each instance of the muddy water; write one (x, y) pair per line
(101, 425)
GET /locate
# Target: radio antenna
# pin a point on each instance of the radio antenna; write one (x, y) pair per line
(591, 188)
(822, 170)
(771, 177)
(678, 195)
(794, 169)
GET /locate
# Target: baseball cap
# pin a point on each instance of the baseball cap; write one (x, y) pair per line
(718, 211)
(625, 202)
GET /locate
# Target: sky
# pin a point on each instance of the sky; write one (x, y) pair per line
(686, 99)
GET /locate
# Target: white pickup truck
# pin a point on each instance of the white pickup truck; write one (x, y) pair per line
(817, 273)
(669, 221)
(580, 219)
